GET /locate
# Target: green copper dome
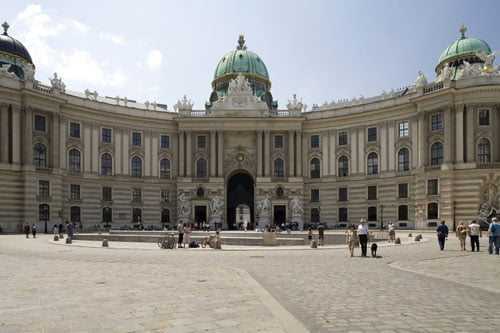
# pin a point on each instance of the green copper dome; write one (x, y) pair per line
(463, 49)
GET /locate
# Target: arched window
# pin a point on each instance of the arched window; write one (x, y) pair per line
(136, 167)
(343, 166)
(107, 216)
(165, 168)
(342, 214)
(279, 192)
(402, 212)
(201, 168)
(483, 151)
(315, 168)
(106, 164)
(437, 153)
(432, 210)
(372, 163)
(74, 160)
(315, 215)
(372, 213)
(136, 215)
(74, 214)
(40, 155)
(403, 159)
(279, 168)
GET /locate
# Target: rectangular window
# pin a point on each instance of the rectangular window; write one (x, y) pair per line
(74, 192)
(106, 135)
(315, 141)
(403, 128)
(402, 213)
(164, 195)
(436, 122)
(342, 138)
(165, 142)
(44, 188)
(136, 195)
(432, 187)
(403, 191)
(107, 193)
(278, 141)
(74, 130)
(201, 142)
(136, 139)
(484, 117)
(343, 214)
(343, 194)
(372, 134)
(315, 195)
(40, 123)
(372, 192)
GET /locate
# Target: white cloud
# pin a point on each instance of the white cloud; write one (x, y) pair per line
(116, 39)
(79, 26)
(154, 59)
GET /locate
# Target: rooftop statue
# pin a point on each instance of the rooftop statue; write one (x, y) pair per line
(446, 72)
(4, 71)
(89, 94)
(183, 104)
(294, 104)
(421, 80)
(240, 84)
(488, 60)
(57, 83)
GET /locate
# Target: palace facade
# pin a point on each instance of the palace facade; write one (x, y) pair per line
(415, 156)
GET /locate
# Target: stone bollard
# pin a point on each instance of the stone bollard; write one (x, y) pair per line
(69, 240)
(397, 241)
(61, 236)
(417, 239)
(105, 243)
(56, 238)
(420, 236)
(314, 244)
(410, 235)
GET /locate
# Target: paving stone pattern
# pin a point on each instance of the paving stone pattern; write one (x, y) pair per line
(130, 287)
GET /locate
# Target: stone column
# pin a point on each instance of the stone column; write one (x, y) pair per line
(326, 157)
(422, 138)
(469, 134)
(16, 135)
(332, 169)
(391, 149)
(459, 135)
(147, 154)
(125, 152)
(291, 155)
(267, 156)
(259, 153)
(353, 167)
(4, 133)
(86, 155)
(54, 161)
(298, 154)
(182, 154)
(95, 149)
(154, 156)
(361, 150)
(448, 136)
(63, 152)
(118, 160)
(220, 153)
(213, 152)
(189, 148)
(414, 141)
(383, 148)
(27, 137)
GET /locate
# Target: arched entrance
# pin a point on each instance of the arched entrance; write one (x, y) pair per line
(239, 194)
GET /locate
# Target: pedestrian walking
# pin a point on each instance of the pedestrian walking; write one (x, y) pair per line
(351, 238)
(33, 230)
(461, 233)
(363, 236)
(27, 230)
(187, 234)
(180, 231)
(442, 234)
(475, 232)
(321, 234)
(392, 232)
(494, 234)
(69, 229)
(55, 229)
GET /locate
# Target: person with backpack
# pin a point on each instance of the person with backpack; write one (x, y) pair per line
(494, 234)
(33, 230)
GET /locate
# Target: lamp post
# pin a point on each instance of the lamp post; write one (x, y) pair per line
(454, 221)
(381, 217)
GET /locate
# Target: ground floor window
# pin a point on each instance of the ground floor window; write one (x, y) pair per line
(315, 215)
(107, 215)
(136, 215)
(75, 214)
(372, 213)
(402, 213)
(432, 210)
(342, 214)
(165, 216)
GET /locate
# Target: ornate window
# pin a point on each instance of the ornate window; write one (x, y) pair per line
(484, 117)
(74, 130)
(40, 123)
(437, 122)
(315, 141)
(201, 168)
(201, 141)
(342, 214)
(403, 159)
(165, 168)
(343, 166)
(40, 155)
(280, 192)
(74, 212)
(136, 194)
(432, 210)
(315, 215)
(165, 141)
(372, 134)
(403, 129)
(278, 141)
(437, 153)
(106, 135)
(136, 167)
(106, 164)
(342, 138)
(315, 168)
(74, 160)
(372, 213)
(279, 168)
(372, 163)
(402, 212)
(136, 139)
(483, 151)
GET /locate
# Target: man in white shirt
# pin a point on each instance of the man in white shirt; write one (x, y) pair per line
(474, 233)
(363, 236)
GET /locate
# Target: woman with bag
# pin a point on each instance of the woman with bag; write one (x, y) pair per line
(462, 235)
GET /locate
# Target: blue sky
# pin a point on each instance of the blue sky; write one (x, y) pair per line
(320, 50)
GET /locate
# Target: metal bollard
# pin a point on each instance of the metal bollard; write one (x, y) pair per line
(105, 243)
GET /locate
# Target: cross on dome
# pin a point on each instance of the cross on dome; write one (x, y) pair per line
(241, 43)
(462, 30)
(5, 26)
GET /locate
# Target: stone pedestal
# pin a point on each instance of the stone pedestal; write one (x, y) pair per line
(297, 219)
(263, 221)
(215, 220)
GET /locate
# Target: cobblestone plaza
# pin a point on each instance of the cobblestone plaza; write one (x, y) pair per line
(130, 287)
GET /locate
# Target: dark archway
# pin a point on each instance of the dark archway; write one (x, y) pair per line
(239, 191)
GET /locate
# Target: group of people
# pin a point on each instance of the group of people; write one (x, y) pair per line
(184, 233)
(28, 229)
(359, 235)
(474, 232)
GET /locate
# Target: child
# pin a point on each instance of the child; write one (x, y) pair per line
(310, 235)
(351, 238)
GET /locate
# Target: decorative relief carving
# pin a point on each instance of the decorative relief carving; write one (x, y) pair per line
(239, 96)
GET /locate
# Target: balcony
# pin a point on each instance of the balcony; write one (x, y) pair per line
(45, 170)
(433, 167)
(488, 165)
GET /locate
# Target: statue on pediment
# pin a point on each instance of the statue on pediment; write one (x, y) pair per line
(421, 80)
(294, 104)
(57, 83)
(488, 59)
(239, 85)
(184, 104)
